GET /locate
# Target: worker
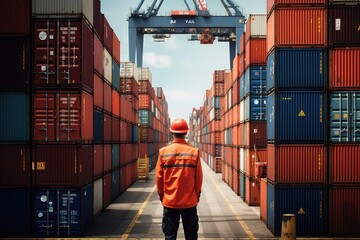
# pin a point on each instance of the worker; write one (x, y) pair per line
(179, 179)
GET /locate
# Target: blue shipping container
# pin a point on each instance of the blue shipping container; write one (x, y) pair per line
(98, 127)
(255, 107)
(116, 75)
(345, 117)
(255, 80)
(15, 212)
(242, 86)
(296, 117)
(14, 117)
(115, 186)
(62, 212)
(145, 118)
(135, 133)
(308, 203)
(115, 156)
(293, 68)
(216, 102)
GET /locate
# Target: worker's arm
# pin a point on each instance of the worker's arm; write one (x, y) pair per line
(198, 177)
(160, 177)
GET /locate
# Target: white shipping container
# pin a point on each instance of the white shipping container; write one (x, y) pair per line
(242, 153)
(256, 25)
(242, 111)
(212, 114)
(128, 70)
(98, 196)
(64, 7)
(107, 66)
(144, 74)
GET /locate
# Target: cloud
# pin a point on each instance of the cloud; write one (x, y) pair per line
(157, 61)
(179, 95)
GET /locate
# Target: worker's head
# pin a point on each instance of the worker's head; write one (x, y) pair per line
(179, 128)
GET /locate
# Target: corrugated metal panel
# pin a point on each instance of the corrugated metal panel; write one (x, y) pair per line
(297, 164)
(107, 97)
(14, 117)
(116, 75)
(344, 164)
(115, 103)
(62, 165)
(15, 17)
(344, 68)
(115, 156)
(15, 68)
(291, 68)
(107, 66)
(98, 161)
(255, 26)
(107, 34)
(116, 48)
(252, 192)
(255, 80)
(255, 134)
(15, 166)
(263, 199)
(296, 117)
(15, 209)
(115, 185)
(98, 127)
(297, 27)
(308, 203)
(344, 26)
(107, 128)
(345, 117)
(98, 196)
(98, 56)
(64, 7)
(344, 211)
(255, 53)
(115, 130)
(62, 212)
(255, 107)
(253, 156)
(242, 185)
(293, 3)
(98, 93)
(128, 70)
(344, 2)
(107, 190)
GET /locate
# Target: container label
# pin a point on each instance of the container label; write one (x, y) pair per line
(337, 24)
(42, 36)
(40, 166)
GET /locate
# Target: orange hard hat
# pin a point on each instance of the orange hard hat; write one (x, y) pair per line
(179, 125)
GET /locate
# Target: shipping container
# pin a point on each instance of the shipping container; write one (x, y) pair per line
(297, 68)
(344, 163)
(62, 116)
(345, 117)
(63, 212)
(115, 130)
(15, 17)
(344, 2)
(308, 203)
(344, 25)
(255, 107)
(344, 68)
(128, 70)
(271, 4)
(255, 134)
(296, 27)
(15, 68)
(107, 190)
(255, 26)
(98, 128)
(98, 197)
(263, 200)
(115, 156)
(107, 158)
(98, 93)
(98, 161)
(63, 53)
(252, 192)
(344, 211)
(115, 185)
(115, 75)
(255, 80)
(108, 68)
(107, 97)
(67, 166)
(107, 34)
(115, 103)
(242, 185)
(296, 117)
(14, 117)
(297, 164)
(98, 56)
(252, 157)
(15, 166)
(255, 52)
(116, 49)
(64, 8)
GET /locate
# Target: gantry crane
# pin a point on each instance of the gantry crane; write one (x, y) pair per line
(198, 22)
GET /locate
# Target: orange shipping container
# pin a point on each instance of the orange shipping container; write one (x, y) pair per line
(296, 27)
(253, 156)
(98, 92)
(107, 97)
(345, 68)
(255, 52)
(263, 199)
(144, 101)
(294, 3)
(252, 192)
(235, 69)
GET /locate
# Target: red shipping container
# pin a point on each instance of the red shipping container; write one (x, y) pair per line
(98, 92)
(236, 181)
(241, 134)
(63, 53)
(98, 56)
(296, 27)
(62, 166)
(115, 103)
(107, 158)
(252, 191)
(129, 176)
(107, 34)
(256, 134)
(115, 130)
(15, 17)
(116, 48)
(62, 116)
(107, 190)
(345, 68)
(98, 161)
(235, 67)
(252, 157)
(242, 61)
(255, 53)
(294, 3)
(107, 97)
(107, 128)
(263, 200)
(15, 166)
(344, 164)
(297, 163)
(242, 44)
(344, 210)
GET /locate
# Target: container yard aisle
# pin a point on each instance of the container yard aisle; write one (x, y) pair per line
(137, 213)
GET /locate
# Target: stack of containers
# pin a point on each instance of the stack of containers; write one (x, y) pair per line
(129, 100)
(62, 117)
(15, 162)
(296, 115)
(344, 101)
(194, 125)
(253, 152)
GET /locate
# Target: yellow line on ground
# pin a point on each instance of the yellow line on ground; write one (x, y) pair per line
(133, 222)
(241, 222)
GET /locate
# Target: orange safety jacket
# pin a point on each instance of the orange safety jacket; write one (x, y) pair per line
(179, 175)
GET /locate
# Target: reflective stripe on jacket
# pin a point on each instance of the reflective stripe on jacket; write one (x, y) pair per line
(179, 175)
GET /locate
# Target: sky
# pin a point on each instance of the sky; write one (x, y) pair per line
(184, 69)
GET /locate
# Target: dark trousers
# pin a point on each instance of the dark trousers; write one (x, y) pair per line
(171, 219)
